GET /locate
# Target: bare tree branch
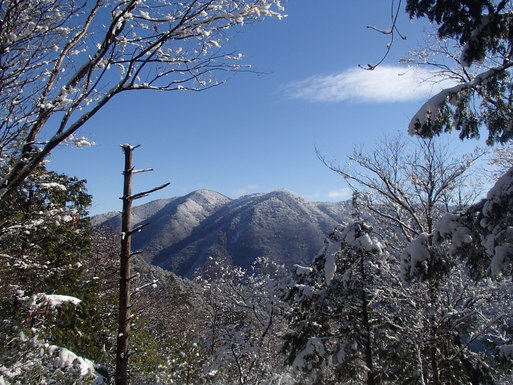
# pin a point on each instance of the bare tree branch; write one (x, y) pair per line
(408, 187)
(391, 31)
(60, 63)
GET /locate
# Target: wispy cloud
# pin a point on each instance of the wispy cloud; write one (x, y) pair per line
(246, 190)
(340, 194)
(382, 85)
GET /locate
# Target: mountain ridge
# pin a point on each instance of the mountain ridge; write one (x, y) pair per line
(184, 232)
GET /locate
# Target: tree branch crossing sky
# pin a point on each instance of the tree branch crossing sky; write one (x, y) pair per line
(258, 132)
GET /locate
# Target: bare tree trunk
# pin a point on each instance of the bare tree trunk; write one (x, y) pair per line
(125, 274)
(433, 353)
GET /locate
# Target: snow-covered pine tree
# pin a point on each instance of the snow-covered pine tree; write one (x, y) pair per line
(407, 190)
(481, 236)
(345, 318)
(473, 50)
(481, 233)
(476, 36)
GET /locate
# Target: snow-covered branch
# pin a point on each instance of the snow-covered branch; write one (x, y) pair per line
(61, 63)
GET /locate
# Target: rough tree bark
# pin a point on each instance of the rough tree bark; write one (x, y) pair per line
(125, 279)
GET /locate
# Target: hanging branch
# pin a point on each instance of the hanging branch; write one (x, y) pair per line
(392, 31)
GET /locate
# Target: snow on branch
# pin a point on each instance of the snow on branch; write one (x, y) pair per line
(64, 62)
(430, 111)
(415, 257)
(481, 234)
(51, 301)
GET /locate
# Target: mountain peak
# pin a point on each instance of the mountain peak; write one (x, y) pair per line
(208, 194)
(204, 200)
(284, 193)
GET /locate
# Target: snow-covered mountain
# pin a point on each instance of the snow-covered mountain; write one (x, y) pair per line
(185, 231)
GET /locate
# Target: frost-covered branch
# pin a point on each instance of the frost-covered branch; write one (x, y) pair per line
(63, 61)
(246, 319)
(406, 187)
(472, 58)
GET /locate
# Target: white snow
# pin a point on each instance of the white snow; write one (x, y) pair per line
(313, 347)
(498, 238)
(461, 236)
(330, 267)
(50, 358)
(66, 218)
(502, 258)
(506, 351)
(51, 300)
(349, 235)
(449, 226)
(83, 142)
(464, 59)
(431, 109)
(503, 188)
(415, 255)
(64, 358)
(302, 270)
(304, 291)
(51, 185)
(369, 244)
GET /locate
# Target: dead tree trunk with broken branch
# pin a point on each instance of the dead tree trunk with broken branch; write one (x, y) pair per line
(125, 303)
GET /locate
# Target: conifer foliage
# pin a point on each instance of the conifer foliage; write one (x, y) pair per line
(482, 96)
(345, 326)
(45, 302)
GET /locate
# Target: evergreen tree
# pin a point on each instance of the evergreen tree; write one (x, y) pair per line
(44, 238)
(345, 319)
(481, 233)
(483, 32)
(44, 227)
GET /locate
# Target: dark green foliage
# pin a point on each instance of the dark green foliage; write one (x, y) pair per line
(484, 30)
(45, 231)
(45, 243)
(488, 103)
(461, 19)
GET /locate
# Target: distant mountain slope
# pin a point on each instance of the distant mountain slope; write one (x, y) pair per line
(185, 231)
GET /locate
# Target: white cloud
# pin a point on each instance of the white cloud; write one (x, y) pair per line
(382, 85)
(341, 194)
(246, 190)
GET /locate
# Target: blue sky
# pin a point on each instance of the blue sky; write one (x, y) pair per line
(258, 133)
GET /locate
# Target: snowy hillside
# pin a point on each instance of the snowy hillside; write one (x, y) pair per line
(185, 231)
